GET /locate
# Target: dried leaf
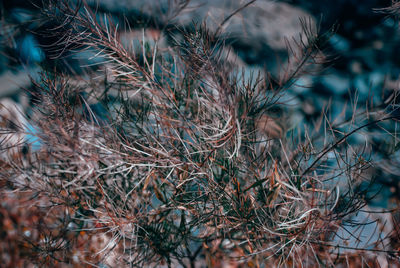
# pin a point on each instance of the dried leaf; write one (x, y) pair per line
(268, 126)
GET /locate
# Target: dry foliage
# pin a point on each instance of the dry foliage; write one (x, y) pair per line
(187, 166)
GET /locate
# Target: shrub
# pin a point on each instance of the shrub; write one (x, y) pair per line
(172, 156)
